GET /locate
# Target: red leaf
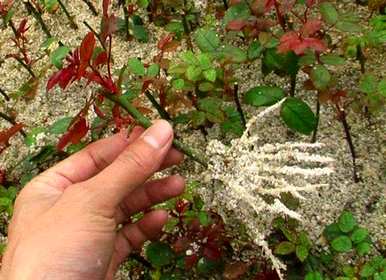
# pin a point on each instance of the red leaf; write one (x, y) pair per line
(212, 252)
(76, 132)
(288, 42)
(101, 58)
(310, 43)
(5, 135)
(106, 4)
(311, 27)
(165, 41)
(310, 3)
(109, 27)
(190, 261)
(22, 27)
(236, 25)
(86, 51)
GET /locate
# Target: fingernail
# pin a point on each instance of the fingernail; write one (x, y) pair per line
(158, 135)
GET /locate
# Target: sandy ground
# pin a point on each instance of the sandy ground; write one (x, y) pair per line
(366, 199)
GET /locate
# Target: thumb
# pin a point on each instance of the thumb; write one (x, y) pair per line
(134, 165)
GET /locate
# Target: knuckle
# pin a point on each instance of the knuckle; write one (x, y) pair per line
(137, 161)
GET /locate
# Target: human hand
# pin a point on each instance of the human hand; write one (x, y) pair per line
(65, 220)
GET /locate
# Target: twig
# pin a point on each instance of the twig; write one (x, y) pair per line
(26, 66)
(95, 33)
(3, 93)
(31, 10)
(346, 127)
(126, 16)
(70, 18)
(11, 121)
(91, 7)
(313, 140)
(161, 111)
(361, 58)
(145, 122)
(238, 104)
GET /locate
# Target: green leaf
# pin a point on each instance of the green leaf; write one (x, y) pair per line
(284, 248)
(321, 77)
(205, 60)
(341, 244)
(58, 55)
(255, 50)
(205, 87)
(301, 252)
(233, 123)
(349, 23)
(363, 248)
(139, 32)
(153, 70)
(204, 218)
(32, 134)
(280, 64)
(205, 266)
(332, 231)
(307, 59)
(298, 116)
(212, 108)
(304, 240)
(189, 57)
(60, 126)
(346, 222)
(193, 73)
(159, 254)
(329, 13)
(382, 87)
(136, 66)
(47, 43)
(239, 11)
(263, 96)
(331, 59)
(178, 84)
(368, 84)
(313, 276)
(368, 270)
(207, 40)
(232, 54)
(210, 75)
(359, 235)
(175, 27)
(197, 118)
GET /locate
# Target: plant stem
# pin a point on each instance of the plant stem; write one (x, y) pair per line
(26, 66)
(3, 93)
(66, 12)
(95, 33)
(161, 111)
(187, 28)
(145, 122)
(225, 4)
(362, 59)
(31, 10)
(346, 127)
(238, 104)
(317, 120)
(126, 16)
(293, 85)
(91, 7)
(279, 16)
(11, 121)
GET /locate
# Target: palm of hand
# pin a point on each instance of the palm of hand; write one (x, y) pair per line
(65, 220)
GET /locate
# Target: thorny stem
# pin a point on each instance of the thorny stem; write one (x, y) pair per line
(145, 122)
(11, 121)
(346, 127)
(3, 93)
(31, 10)
(313, 140)
(161, 111)
(91, 7)
(238, 104)
(27, 67)
(95, 33)
(66, 12)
